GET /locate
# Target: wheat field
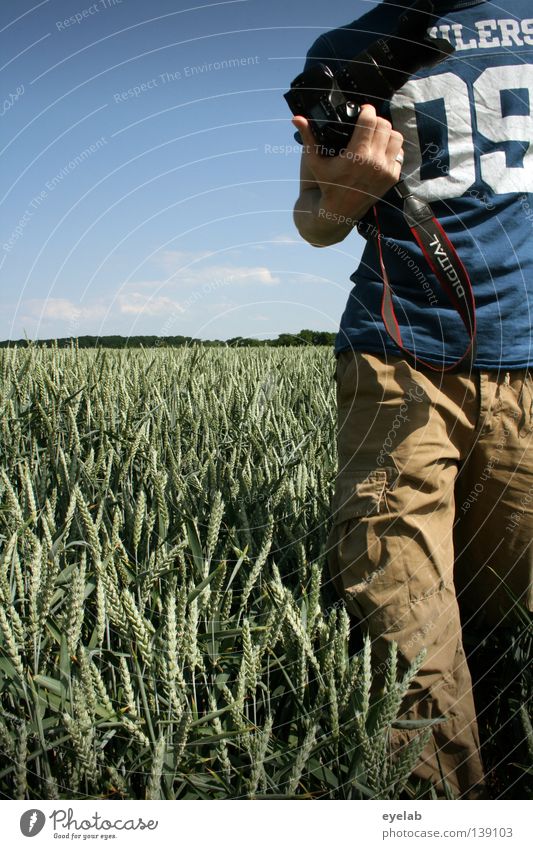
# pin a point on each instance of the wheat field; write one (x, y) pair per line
(164, 632)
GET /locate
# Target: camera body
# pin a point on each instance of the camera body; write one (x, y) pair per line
(331, 101)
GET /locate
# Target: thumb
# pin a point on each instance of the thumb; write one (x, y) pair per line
(302, 124)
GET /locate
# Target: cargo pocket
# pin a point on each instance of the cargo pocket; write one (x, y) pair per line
(365, 559)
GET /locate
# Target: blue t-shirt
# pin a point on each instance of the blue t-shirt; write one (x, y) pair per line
(468, 130)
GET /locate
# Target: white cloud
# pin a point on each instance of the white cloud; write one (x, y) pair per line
(138, 303)
(224, 275)
(61, 309)
(171, 260)
(286, 239)
(189, 269)
(235, 274)
(200, 291)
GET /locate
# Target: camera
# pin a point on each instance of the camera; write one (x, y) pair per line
(331, 101)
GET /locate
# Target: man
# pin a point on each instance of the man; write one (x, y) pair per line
(434, 494)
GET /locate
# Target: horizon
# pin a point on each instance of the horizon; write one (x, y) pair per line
(302, 335)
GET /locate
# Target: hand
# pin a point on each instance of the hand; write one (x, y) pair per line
(363, 172)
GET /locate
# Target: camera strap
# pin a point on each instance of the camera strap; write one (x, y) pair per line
(445, 264)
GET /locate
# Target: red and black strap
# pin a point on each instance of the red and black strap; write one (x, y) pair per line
(447, 267)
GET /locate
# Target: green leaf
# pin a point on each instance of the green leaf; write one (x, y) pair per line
(198, 589)
(195, 545)
(51, 684)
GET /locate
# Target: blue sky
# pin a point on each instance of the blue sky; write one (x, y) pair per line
(141, 190)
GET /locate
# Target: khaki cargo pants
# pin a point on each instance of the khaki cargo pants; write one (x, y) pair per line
(435, 475)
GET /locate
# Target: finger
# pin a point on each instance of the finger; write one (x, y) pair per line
(309, 141)
(364, 129)
(382, 133)
(395, 143)
(395, 152)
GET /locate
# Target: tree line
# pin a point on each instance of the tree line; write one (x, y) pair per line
(304, 337)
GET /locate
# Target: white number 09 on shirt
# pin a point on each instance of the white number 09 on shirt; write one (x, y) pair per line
(466, 164)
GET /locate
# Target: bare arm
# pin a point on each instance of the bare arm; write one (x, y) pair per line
(315, 223)
(335, 192)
